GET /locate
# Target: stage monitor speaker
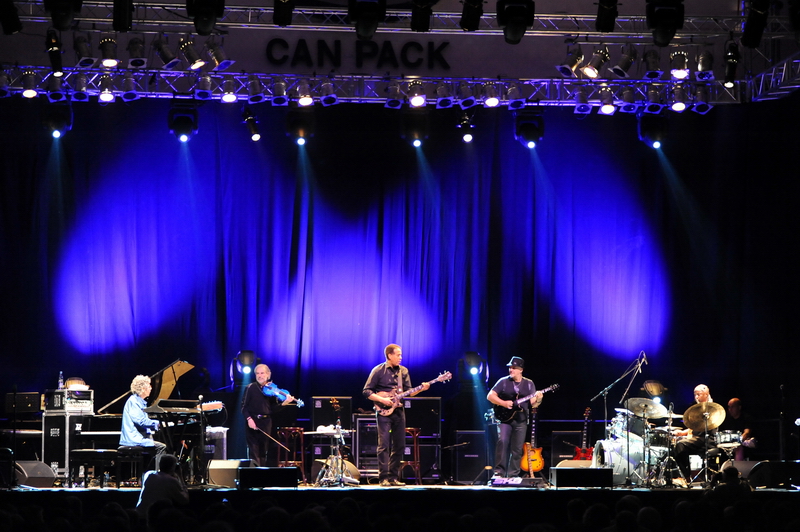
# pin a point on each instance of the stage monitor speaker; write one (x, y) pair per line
(326, 409)
(226, 472)
(424, 413)
(568, 474)
(784, 474)
(34, 474)
(269, 477)
(563, 445)
(470, 455)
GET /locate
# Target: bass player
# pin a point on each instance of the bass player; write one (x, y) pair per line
(511, 432)
(385, 381)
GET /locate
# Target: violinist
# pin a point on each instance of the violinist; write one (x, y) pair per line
(261, 401)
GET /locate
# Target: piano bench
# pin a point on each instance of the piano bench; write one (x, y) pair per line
(100, 460)
(134, 456)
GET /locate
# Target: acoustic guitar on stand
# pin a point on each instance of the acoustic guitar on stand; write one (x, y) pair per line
(583, 452)
(384, 410)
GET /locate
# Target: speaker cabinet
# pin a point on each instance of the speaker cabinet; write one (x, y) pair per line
(34, 474)
(226, 472)
(365, 444)
(580, 476)
(428, 462)
(563, 445)
(470, 455)
(269, 477)
(777, 475)
(326, 410)
(424, 413)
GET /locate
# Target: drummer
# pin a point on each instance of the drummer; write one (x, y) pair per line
(693, 442)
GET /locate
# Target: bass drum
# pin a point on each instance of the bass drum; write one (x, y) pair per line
(616, 455)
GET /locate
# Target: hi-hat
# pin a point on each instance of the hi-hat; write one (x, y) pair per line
(646, 408)
(695, 416)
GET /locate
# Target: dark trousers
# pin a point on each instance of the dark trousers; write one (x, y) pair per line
(257, 442)
(689, 446)
(508, 450)
(391, 443)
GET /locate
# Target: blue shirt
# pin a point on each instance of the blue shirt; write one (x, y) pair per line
(136, 426)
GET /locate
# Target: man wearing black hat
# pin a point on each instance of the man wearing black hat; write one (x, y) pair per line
(511, 433)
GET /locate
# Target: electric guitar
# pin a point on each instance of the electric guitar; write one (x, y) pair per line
(532, 460)
(504, 414)
(582, 452)
(384, 410)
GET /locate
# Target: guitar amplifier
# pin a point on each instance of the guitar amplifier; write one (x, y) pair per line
(563, 445)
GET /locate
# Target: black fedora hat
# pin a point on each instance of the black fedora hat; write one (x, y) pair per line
(516, 361)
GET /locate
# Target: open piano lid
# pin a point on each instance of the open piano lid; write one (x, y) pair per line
(163, 383)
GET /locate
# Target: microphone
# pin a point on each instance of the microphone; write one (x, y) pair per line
(644, 357)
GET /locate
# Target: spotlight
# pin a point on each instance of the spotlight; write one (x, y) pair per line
(5, 92)
(514, 97)
(529, 130)
(304, 98)
(599, 58)
(62, 12)
(654, 389)
(664, 18)
(229, 90)
(582, 106)
(515, 17)
(678, 98)
(136, 55)
(415, 125)
(165, 54)
(471, 15)
(300, 124)
(282, 12)
(129, 89)
(491, 97)
(570, 64)
(652, 129)
(186, 46)
(203, 89)
(705, 67)
(106, 89)
(279, 96)
(108, 53)
(55, 92)
(654, 104)
(701, 105)
(466, 97)
(421, 12)
(29, 83)
(394, 97)
(607, 106)
(366, 15)
(731, 61)
(472, 371)
(205, 14)
(755, 24)
(53, 46)
(327, 93)
(466, 127)
(444, 98)
(58, 119)
(9, 18)
(252, 125)
(182, 121)
(80, 85)
(123, 15)
(82, 49)
(245, 361)
(416, 94)
(218, 58)
(652, 67)
(629, 103)
(606, 16)
(255, 90)
(626, 60)
(680, 65)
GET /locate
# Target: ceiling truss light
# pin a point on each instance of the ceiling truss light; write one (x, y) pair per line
(283, 12)
(679, 62)
(62, 12)
(5, 92)
(106, 89)
(606, 16)
(664, 18)
(466, 96)
(229, 90)
(251, 122)
(108, 53)
(582, 106)
(55, 91)
(279, 96)
(627, 58)
(607, 106)
(678, 103)
(168, 58)
(182, 121)
(203, 89)
(80, 86)
(218, 58)
(130, 91)
(705, 67)
(701, 105)
(304, 97)
(83, 50)
(654, 104)
(366, 15)
(205, 13)
(756, 23)
(54, 51)
(514, 97)
(466, 127)
(416, 94)
(29, 83)
(421, 13)
(599, 58)
(193, 59)
(255, 90)
(394, 96)
(732, 58)
(515, 17)
(444, 97)
(136, 53)
(571, 63)
(123, 16)
(628, 97)
(652, 65)
(327, 93)
(9, 18)
(491, 95)
(471, 15)
(528, 127)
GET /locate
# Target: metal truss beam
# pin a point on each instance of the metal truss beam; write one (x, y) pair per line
(778, 81)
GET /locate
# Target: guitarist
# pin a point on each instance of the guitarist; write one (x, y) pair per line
(390, 378)
(511, 433)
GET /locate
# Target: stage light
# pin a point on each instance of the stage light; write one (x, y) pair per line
(327, 93)
(679, 62)
(55, 91)
(279, 96)
(165, 54)
(53, 47)
(108, 53)
(229, 90)
(705, 67)
(122, 15)
(415, 125)
(629, 103)
(4, 90)
(366, 15)
(664, 18)
(245, 361)
(466, 96)
(416, 94)
(255, 90)
(471, 15)
(571, 63)
(529, 130)
(394, 96)
(193, 59)
(9, 17)
(515, 17)
(58, 119)
(582, 106)
(606, 16)
(755, 24)
(203, 89)
(472, 370)
(129, 89)
(282, 12)
(218, 58)
(106, 89)
(599, 58)
(491, 96)
(252, 125)
(421, 12)
(731, 62)
(652, 65)
(701, 105)
(62, 12)
(136, 54)
(182, 121)
(83, 51)
(300, 124)
(444, 97)
(304, 97)
(607, 106)
(205, 13)
(80, 85)
(654, 389)
(29, 83)
(678, 98)
(654, 104)
(466, 127)
(514, 97)
(652, 129)
(626, 60)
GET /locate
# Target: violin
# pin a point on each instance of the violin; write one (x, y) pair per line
(271, 390)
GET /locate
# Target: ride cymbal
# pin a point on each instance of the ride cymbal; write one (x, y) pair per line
(696, 415)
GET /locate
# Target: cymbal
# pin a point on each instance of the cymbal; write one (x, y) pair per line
(646, 408)
(695, 416)
(624, 411)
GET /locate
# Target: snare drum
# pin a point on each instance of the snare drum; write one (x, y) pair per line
(729, 439)
(659, 439)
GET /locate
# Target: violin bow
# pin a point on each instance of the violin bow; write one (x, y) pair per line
(273, 439)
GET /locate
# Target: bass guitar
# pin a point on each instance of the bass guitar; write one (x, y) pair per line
(504, 414)
(384, 410)
(532, 460)
(583, 452)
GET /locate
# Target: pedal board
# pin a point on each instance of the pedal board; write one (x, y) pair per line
(518, 482)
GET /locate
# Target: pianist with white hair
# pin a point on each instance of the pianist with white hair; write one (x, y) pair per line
(137, 428)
